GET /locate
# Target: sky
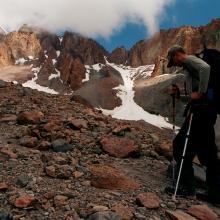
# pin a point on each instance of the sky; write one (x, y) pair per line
(182, 12)
(112, 23)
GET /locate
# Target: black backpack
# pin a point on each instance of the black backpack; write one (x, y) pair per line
(212, 57)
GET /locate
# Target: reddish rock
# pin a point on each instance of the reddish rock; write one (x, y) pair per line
(8, 152)
(51, 126)
(107, 177)
(44, 145)
(32, 117)
(121, 129)
(119, 147)
(3, 186)
(77, 123)
(125, 212)
(179, 215)
(25, 201)
(50, 171)
(202, 212)
(30, 142)
(60, 200)
(78, 174)
(149, 200)
(119, 56)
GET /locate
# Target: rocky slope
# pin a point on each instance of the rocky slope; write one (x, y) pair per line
(74, 64)
(61, 160)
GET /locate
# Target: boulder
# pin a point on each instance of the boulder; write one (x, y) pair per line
(202, 212)
(149, 200)
(179, 215)
(107, 177)
(120, 147)
(32, 117)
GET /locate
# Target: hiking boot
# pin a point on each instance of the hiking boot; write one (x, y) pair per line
(182, 191)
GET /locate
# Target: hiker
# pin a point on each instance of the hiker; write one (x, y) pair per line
(201, 141)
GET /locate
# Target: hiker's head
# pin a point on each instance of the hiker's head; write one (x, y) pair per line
(176, 56)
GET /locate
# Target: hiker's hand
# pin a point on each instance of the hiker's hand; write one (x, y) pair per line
(196, 95)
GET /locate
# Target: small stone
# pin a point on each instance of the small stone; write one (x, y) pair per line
(60, 200)
(99, 208)
(149, 200)
(51, 171)
(154, 138)
(202, 212)
(29, 142)
(121, 129)
(179, 215)
(107, 215)
(24, 201)
(8, 118)
(77, 123)
(23, 180)
(3, 186)
(78, 174)
(61, 145)
(44, 145)
(125, 212)
(8, 152)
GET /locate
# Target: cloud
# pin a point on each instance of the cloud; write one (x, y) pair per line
(88, 17)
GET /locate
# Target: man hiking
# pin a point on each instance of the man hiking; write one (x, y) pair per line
(201, 140)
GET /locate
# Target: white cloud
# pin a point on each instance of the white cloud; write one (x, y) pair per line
(87, 17)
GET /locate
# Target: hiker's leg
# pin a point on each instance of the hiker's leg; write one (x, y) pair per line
(207, 151)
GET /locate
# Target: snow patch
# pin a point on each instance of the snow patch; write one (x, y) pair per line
(58, 53)
(54, 61)
(33, 85)
(129, 110)
(20, 61)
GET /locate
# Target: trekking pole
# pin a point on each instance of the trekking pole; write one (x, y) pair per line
(174, 129)
(183, 155)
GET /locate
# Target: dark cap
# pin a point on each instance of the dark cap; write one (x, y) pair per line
(171, 53)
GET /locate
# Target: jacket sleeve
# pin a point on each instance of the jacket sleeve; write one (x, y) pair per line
(203, 70)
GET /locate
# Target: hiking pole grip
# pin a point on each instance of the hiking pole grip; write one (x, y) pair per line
(183, 155)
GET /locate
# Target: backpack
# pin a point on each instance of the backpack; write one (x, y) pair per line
(212, 57)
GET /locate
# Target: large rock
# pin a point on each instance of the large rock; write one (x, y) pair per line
(99, 90)
(107, 177)
(149, 200)
(61, 145)
(153, 96)
(32, 117)
(179, 215)
(119, 147)
(202, 212)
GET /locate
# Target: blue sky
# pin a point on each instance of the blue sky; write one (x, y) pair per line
(183, 12)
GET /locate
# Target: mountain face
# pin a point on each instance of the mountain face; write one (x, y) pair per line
(74, 64)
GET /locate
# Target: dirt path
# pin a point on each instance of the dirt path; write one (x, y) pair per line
(16, 73)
